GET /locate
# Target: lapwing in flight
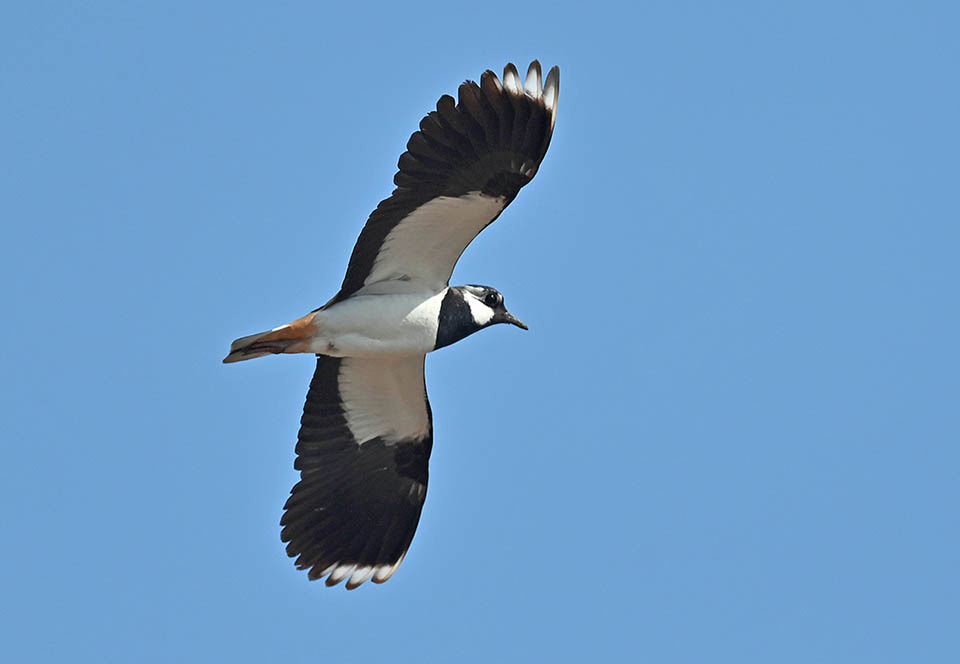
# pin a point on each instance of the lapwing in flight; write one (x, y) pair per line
(366, 432)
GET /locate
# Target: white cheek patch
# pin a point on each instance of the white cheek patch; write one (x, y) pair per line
(384, 398)
(480, 312)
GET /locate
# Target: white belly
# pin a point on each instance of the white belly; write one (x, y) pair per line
(372, 325)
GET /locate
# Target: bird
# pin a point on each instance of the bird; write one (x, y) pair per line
(366, 432)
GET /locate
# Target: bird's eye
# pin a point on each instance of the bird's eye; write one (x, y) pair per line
(491, 299)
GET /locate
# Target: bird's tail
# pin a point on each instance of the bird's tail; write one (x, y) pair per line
(293, 337)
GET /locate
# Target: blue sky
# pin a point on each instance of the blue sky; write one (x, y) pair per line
(730, 435)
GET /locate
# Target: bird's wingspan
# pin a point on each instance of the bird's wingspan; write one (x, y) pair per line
(362, 452)
(461, 169)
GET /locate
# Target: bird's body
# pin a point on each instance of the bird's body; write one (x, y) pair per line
(366, 431)
(380, 324)
(366, 325)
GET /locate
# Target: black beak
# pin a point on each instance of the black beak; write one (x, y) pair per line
(508, 317)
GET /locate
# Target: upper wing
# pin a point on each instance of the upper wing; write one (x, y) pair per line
(362, 452)
(461, 169)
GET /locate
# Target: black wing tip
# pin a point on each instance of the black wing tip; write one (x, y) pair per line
(346, 544)
(326, 563)
(352, 572)
(515, 114)
(534, 86)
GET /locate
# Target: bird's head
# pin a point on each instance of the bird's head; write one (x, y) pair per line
(486, 306)
(467, 309)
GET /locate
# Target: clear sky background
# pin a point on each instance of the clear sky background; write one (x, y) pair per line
(732, 433)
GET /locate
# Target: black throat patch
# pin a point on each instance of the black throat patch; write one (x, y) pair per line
(456, 321)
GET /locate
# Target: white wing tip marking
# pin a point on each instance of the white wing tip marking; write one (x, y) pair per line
(551, 93)
(357, 575)
(325, 571)
(511, 79)
(384, 572)
(339, 573)
(360, 575)
(548, 92)
(533, 85)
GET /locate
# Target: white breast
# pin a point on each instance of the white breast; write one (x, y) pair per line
(377, 325)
